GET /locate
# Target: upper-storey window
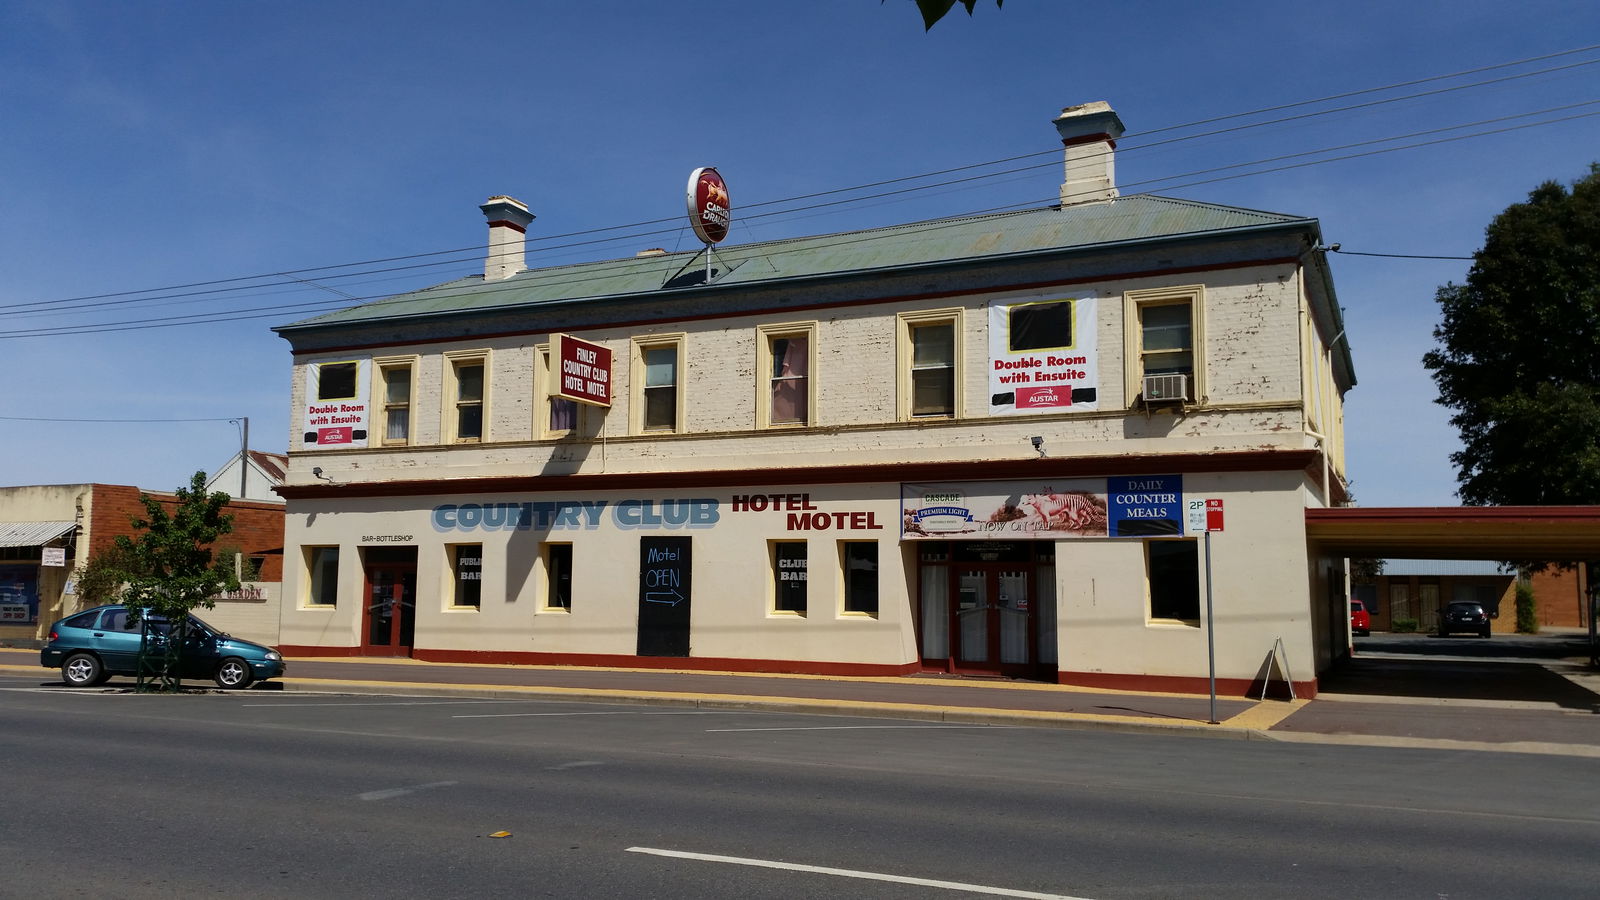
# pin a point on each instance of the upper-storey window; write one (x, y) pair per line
(559, 416)
(1164, 336)
(467, 378)
(787, 397)
(395, 383)
(658, 384)
(930, 345)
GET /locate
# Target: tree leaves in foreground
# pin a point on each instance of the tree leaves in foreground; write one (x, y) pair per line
(170, 567)
(1519, 353)
(934, 10)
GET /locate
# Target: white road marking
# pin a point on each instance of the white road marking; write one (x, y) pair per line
(391, 703)
(853, 873)
(559, 714)
(579, 764)
(856, 727)
(401, 792)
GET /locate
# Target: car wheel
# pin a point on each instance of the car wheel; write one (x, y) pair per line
(1484, 632)
(234, 673)
(82, 670)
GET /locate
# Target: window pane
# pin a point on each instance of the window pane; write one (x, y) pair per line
(467, 563)
(563, 414)
(861, 578)
(789, 576)
(933, 345)
(397, 425)
(1166, 327)
(660, 366)
(1174, 580)
(324, 575)
(469, 382)
(933, 392)
(397, 385)
(1174, 363)
(336, 381)
(558, 565)
(661, 408)
(469, 422)
(789, 382)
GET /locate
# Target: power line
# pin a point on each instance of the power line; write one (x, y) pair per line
(119, 421)
(1134, 136)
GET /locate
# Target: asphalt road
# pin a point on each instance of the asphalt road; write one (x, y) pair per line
(290, 794)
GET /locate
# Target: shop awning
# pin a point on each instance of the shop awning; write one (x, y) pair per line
(32, 534)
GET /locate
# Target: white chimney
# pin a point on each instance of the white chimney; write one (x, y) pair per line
(1089, 132)
(508, 223)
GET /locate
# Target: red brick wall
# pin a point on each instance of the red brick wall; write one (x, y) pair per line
(1559, 597)
(257, 527)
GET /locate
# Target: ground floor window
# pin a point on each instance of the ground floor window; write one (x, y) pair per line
(466, 567)
(558, 576)
(860, 559)
(789, 577)
(1173, 570)
(322, 564)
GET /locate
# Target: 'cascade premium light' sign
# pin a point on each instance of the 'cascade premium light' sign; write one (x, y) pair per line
(582, 371)
(709, 211)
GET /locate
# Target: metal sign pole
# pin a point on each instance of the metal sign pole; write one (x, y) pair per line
(1211, 631)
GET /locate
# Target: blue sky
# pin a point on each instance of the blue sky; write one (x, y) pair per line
(158, 144)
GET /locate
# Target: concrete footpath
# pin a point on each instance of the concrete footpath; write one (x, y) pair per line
(1549, 706)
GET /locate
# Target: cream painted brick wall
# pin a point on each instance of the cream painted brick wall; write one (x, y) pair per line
(1253, 378)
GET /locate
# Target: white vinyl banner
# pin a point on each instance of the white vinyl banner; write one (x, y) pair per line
(1042, 356)
(338, 395)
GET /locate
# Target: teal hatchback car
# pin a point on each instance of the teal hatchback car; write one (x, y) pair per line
(92, 646)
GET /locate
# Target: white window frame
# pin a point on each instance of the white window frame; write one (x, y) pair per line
(765, 335)
(380, 400)
(905, 323)
(451, 403)
(1133, 305)
(636, 377)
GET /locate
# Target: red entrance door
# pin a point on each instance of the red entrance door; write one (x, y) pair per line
(390, 616)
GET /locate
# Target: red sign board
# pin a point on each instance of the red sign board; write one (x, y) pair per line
(580, 371)
(709, 211)
(1214, 514)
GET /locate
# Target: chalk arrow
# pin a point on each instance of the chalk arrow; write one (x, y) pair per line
(670, 598)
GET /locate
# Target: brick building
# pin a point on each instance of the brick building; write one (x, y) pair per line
(984, 445)
(49, 531)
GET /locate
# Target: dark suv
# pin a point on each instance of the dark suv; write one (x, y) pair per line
(1462, 616)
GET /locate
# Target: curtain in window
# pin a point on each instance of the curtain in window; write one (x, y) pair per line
(935, 600)
(790, 362)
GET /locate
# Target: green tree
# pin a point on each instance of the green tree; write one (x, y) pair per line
(171, 571)
(100, 579)
(1517, 358)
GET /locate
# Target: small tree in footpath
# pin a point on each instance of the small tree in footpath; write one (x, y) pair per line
(171, 571)
(1527, 608)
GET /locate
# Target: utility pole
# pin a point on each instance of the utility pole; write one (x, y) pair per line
(244, 455)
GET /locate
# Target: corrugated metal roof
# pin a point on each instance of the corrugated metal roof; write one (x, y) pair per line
(1126, 220)
(32, 534)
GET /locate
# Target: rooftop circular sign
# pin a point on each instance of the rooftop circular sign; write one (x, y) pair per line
(709, 211)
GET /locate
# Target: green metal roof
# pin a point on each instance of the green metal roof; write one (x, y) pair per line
(972, 238)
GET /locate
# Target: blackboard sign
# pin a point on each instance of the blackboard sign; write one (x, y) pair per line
(664, 593)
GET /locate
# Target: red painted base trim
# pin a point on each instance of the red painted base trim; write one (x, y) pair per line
(1183, 684)
(618, 661)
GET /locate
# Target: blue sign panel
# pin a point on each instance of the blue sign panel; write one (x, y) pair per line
(1145, 505)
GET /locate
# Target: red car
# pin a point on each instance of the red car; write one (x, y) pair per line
(1360, 619)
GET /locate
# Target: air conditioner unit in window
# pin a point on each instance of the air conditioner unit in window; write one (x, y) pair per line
(1166, 390)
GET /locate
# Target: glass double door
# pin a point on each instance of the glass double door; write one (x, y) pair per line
(994, 618)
